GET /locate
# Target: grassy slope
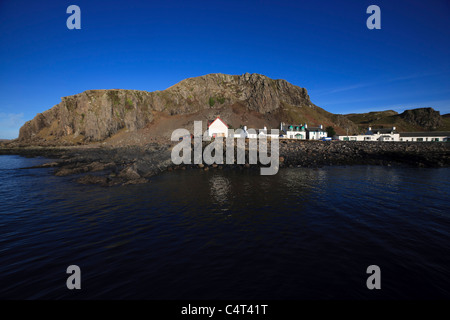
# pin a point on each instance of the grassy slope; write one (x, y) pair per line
(390, 118)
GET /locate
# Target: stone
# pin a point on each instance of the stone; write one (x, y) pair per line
(129, 173)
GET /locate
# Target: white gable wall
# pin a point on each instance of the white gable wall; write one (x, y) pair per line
(218, 129)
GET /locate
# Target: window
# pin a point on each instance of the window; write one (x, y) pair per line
(420, 139)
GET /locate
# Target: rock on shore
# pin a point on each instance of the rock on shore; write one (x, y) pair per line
(319, 153)
(132, 165)
(104, 166)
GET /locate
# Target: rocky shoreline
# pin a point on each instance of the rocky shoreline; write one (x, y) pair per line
(133, 164)
(318, 153)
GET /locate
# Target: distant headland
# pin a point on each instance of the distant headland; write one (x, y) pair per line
(126, 134)
(122, 117)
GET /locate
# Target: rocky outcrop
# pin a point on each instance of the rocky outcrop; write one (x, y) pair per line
(95, 115)
(428, 118)
(316, 153)
(413, 120)
(104, 166)
(90, 116)
(133, 165)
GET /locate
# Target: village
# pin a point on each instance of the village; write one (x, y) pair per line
(218, 128)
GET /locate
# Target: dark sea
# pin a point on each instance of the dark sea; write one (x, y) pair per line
(223, 234)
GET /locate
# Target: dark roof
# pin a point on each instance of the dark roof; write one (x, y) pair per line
(286, 129)
(425, 134)
(314, 129)
(381, 131)
(294, 125)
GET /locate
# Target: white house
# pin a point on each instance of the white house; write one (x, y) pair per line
(315, 133)
(240, 132)
(292, 131)
(383, 134)
(264, 133)
(254, 133)
(302, 131)
(425, 136)
(218, 128)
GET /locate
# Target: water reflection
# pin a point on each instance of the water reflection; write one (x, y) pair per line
(220, 190)
(277, 239)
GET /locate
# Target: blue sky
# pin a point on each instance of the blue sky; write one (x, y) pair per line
(323, 46)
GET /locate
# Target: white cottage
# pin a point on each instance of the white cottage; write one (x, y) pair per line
(218, 128)
(315, 133)
(382, 134)
(425, 136)
(265, 133)
(292, 131)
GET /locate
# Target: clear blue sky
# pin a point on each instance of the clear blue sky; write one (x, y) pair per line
(323, 46)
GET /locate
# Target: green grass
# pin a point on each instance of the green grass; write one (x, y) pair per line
(129, 104)
(114, 97)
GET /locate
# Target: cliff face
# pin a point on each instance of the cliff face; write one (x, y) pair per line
(95, 115)
(90, 116)
(420, 119)
(428, 118)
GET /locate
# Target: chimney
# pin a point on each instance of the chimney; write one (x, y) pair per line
(370, 128)
(393, 128)
(321, 126)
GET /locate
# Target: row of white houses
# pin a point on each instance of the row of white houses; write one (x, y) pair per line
(218, 128)
(390, 134)
(302, 132)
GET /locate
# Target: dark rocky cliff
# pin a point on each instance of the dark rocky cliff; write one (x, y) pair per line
(95, 115)
(420, 119)
(424, 117)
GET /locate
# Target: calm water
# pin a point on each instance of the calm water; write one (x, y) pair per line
(191, 234)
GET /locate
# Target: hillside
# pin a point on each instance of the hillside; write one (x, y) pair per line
(421, 119)
(119, 116)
